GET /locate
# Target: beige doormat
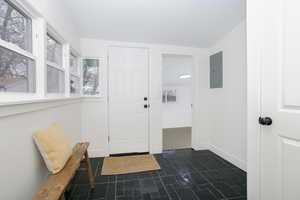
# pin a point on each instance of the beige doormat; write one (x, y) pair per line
(129, 164)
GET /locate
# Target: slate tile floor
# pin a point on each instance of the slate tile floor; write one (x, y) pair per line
(184, 175)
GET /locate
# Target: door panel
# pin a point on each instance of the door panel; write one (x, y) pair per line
(290, 52)
(280, 143)
(290, 168)
(128, 85)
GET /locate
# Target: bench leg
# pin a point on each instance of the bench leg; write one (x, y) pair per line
(89, 169)
(62, 197)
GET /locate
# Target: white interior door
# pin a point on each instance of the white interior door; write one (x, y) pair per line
(128, 97)
(280, 142)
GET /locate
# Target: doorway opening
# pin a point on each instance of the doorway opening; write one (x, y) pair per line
(177, 101)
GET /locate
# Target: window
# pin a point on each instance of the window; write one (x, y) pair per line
(54, 51)
(74, 75)
(15, 26)
(55, 80)
(55, 71)
(91, 77)
(17, 63)
(74, 84)
(74, 64)
(25, 73)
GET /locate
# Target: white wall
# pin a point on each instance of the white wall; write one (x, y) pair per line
(22, 168)
(96, 126)
(227, 105)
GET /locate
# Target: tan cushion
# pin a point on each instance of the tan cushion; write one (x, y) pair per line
(54, 147)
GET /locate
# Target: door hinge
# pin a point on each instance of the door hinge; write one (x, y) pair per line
(108, 139)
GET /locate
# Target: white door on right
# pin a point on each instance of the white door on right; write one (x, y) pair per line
(280, 81)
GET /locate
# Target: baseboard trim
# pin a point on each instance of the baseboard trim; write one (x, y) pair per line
(203, 146)
(229, 157)
(94, 153)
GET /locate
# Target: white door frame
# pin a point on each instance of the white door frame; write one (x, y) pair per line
(194, 95)
(254, 49)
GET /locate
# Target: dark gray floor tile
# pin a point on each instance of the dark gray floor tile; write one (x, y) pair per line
(81, 192)
(105, 179)
(105, 191)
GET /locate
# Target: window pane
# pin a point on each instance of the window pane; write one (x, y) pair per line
(73, 64)
(91, 77)
(17, 73)
(15, 27)
(74, 85)
(54, 51)
(55, 80)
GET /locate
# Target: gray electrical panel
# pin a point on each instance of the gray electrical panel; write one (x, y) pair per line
(216, 70)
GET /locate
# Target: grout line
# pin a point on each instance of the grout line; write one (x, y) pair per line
(211, 184)
(176, 192)
(96, 171)
(116, 181)
(169, 196)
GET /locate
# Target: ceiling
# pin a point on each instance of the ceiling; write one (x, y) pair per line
(174, 66)
(197, 23)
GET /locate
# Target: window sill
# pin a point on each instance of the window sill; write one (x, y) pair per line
(93, 98)
(33, 101)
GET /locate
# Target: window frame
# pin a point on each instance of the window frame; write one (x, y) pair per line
(100, 77)
(37, 53)
(78, 74)
(50, 31)
(32, 53)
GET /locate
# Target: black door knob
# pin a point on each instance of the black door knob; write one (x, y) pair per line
(145, 106)
(145, 99)
(265, 121)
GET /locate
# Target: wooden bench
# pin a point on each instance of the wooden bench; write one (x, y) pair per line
(57, 184)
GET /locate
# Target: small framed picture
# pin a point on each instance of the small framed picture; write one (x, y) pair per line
(169, 96)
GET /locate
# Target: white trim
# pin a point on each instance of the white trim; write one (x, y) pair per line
(54, 65)
(38, 39)
(66, 66)
(255, 12)
(33, 101)
(15, 108)
(96, 98)
(55, 35)
(74, 74)
(229, 157)
(26, 7)
(96, 153)
(15, 48)
(17, 96)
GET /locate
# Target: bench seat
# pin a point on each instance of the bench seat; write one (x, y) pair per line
(56, 185)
